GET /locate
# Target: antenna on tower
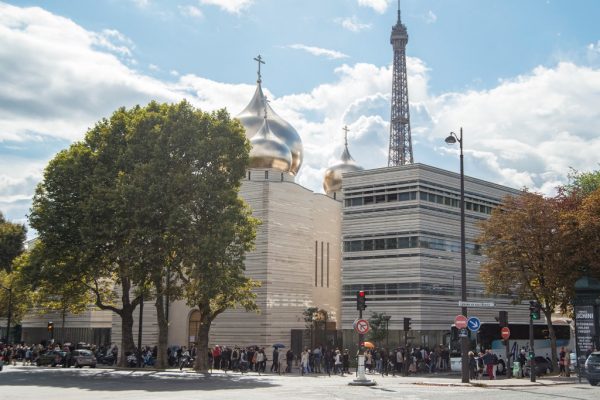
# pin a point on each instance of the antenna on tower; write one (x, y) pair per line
(400, 150)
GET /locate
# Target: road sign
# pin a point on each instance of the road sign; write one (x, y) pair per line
(476, 304)
(362, 326)
(460, 322)
(473, 324)
(505, 333)
(463, 333)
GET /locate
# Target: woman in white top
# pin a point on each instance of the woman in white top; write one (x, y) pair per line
(304, 361)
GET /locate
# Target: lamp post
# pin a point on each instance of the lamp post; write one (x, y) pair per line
(9, 316)
(464, 341)
(387, 318)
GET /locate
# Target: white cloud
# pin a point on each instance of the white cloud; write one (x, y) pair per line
(114, 41)
(230, 6)
(59, 79)
(190, 11)
(378, 5)
(530, 129)
(430, 17)
(141, 3)
(318, 51)
(352, 24)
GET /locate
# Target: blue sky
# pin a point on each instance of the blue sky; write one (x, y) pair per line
(521, 77)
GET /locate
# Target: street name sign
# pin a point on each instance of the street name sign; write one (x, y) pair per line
(476, 304)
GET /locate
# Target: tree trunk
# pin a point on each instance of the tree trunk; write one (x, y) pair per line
(127, 343)
(201, 363)
(126, 314)
(163, 327)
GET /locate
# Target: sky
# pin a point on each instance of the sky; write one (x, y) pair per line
(522, 78)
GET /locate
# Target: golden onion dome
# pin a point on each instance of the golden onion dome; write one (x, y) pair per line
(268, 151)
(252, 119)
(332, 182)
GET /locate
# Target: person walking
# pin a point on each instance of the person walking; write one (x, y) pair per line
(338, 363)
(275, 361)
(561, 361)
(304, 361)
(488, 361)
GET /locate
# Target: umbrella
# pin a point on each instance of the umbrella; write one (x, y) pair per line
(279, 345)
(369, 345)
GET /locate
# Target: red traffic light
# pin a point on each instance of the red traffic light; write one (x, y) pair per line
(361, 293)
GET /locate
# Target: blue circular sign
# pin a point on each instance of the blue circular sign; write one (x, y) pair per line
(473, 324)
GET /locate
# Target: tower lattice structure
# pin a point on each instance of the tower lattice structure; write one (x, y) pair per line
(400, 151)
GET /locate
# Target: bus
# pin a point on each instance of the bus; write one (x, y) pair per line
(488, 337)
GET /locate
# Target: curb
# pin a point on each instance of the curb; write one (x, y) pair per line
(487, 386)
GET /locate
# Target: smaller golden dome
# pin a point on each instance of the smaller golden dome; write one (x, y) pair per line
(332, 181)
(268, 151)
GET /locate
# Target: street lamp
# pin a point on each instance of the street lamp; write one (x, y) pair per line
(464, 342)
(387, 318)
(9, 290)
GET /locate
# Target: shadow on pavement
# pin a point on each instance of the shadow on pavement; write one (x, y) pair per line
(110, 380)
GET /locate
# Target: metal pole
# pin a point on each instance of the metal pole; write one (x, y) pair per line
(464, 341)
(531, 350)
(361, 337)
(387, 332)
(140, 330)
(406, 355)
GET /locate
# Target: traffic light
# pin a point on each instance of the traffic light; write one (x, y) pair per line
(503, 319)
(50, 326)
(534, 310)
(361, 300)
(406, 324)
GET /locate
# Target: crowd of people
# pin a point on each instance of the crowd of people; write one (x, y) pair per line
(326, 360)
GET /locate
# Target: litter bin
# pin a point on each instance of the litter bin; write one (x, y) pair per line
(516, 370)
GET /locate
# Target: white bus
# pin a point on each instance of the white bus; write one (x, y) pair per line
(488, 337)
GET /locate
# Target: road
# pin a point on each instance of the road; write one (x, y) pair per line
(25, 383)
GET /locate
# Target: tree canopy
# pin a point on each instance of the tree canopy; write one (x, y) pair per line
(150, 194)
(12, 240)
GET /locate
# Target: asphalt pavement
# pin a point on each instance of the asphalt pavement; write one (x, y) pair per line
(27, 383)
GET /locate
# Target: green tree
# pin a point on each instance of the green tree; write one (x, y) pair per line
(529, 255)
(83, 225)
(378, 331)
(582, 183)
(12, 239)
(217, 229)
(149, 202)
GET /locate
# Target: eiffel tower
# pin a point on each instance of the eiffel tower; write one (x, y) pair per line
(400, 150)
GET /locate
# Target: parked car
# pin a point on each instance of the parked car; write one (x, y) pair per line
(52, 358)
(82, 358)
(591, 369)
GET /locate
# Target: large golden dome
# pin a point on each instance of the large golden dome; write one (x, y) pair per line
(268, 151)
(332, 182)
(252, 119)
